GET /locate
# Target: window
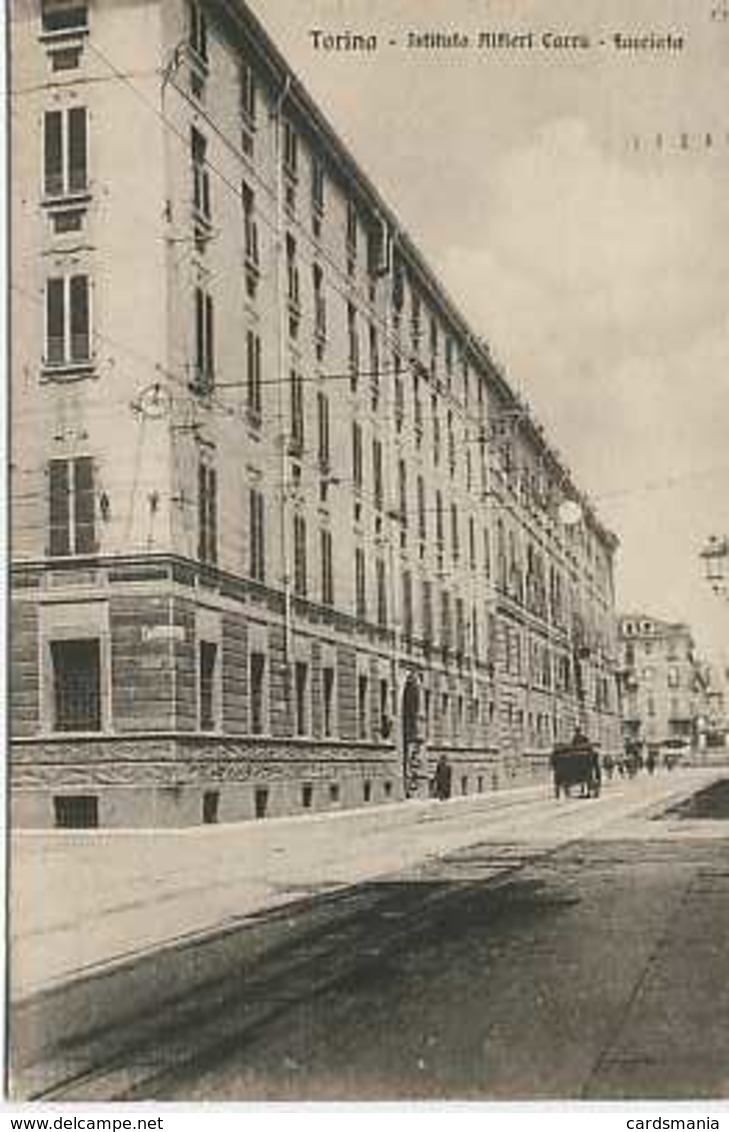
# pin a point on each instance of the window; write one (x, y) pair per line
(250, 236)
(357, 466)
(297, 412)
(422, 522)
(362, 706)
(381, 593)
(317, 192)
(385, 721)
(351, 230)
(247, 106)
(399, 393)
(455, 541)
(307, 795)
(451, 444)
(407, 604)
(72, 507)
(76, 811)
(324, 451)
(200, 175)
(300, 555)
(301, 680)
(253, 375)
(427, 611)
(257, 672)
(320, 308)
(257, 564)
(439, 521)
(204, 377)
(210, 804)
(460, 627)
(353, 341)
(58, 16)
(327, 699)
(208, 657)
(66, 59)
(472, 542)
(76, 685)
(377, 473)
(402, 492)
(327, 575)
(415, 314)
(68, 321)
(436, 430)
(446, 630)
(65, 157)
(291, 151)
(198, 31)
(374, 366)
(360, 592)
(207, 546)
(417, 410)
(261, 801)
(292, 273)
(674, 678)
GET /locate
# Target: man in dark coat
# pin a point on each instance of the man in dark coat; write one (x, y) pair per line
(442, 779)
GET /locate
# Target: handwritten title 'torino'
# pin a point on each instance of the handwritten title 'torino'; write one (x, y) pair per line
(349, 41)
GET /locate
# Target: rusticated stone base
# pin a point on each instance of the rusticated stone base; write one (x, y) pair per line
(155, 781)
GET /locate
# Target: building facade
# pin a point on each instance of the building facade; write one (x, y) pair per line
(665, 688)
(282, 532)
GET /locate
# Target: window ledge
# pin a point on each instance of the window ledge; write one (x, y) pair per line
(62, 35)
(68, 371)
(66, 202)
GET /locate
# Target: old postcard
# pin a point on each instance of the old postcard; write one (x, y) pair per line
(369, 622)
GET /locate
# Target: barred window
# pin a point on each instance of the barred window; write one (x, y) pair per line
(76, 685)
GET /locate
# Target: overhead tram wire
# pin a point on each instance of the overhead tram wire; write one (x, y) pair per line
(271, 224)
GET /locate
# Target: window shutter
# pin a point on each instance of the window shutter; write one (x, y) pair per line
(199, 335)
(261, 538)
(84, 505)
(53, 153)
(202, 513)
(77, 171)
(209, 341)
(58, 482)
(55, 321)
(212, 515)
(80, 321)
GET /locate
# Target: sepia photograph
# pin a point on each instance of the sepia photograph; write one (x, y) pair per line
(368, 552)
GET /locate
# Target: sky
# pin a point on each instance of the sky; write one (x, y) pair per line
(592, 255)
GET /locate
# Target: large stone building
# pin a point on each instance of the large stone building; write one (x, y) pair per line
(664, 685)
(282, 532)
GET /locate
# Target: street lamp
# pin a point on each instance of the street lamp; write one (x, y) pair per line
(715, 554)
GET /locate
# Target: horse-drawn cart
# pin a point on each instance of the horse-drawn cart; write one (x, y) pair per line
(576, 764)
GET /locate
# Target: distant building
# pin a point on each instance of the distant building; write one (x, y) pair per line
(663, 683)
(715, 726)
(282, 532)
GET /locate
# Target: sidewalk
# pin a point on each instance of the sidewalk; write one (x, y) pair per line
(81, 901)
